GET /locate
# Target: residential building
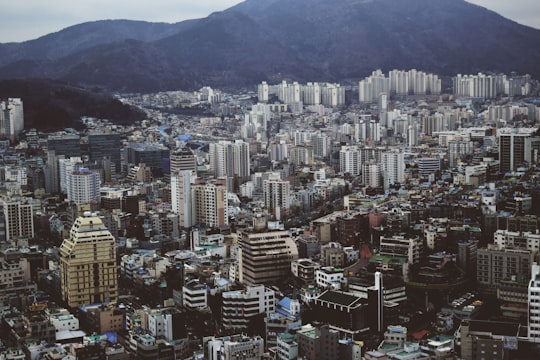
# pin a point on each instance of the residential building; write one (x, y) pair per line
(277, 197)
(209, 203)
(182, 197)
(83, 186)
(19, 218)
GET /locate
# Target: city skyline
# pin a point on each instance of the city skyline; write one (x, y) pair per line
(32, 19)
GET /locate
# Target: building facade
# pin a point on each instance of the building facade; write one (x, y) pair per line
(88, 263)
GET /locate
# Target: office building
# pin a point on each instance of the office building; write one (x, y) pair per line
(496, 263)
(107, 146)
(428, 166)
(154, 156)
(88, 263)
(239, 307)
(265, 257)
(67, 145)
(517, 147)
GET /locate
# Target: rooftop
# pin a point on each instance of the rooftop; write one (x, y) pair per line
(340, 298)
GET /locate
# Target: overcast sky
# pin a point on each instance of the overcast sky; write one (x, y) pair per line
(28, 19)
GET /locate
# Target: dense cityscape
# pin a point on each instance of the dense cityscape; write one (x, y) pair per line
(397, 217)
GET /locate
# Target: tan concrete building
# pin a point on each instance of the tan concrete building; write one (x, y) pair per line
(88, 263)
(265, 257)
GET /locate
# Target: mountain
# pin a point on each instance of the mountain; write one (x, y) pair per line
(271, 40)
(52, 105)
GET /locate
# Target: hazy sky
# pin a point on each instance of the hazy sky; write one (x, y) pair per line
(28, 19)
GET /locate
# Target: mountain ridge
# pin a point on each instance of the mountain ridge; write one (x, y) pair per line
(304, 40)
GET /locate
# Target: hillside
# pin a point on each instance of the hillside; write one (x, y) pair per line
(305, 40)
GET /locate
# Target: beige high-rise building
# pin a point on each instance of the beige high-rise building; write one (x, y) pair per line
(88, 263)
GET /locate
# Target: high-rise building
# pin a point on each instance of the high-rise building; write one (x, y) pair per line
(394, 168)
(88, 263)
(265, 257)
(183, 159)
(11, 118)
(105, 146)
(320, 143)
(82, 186)
(19, 220)
(181, 197)
(152, 155)
(382, 102)
(65, 167)
(67, 145)
(332, 95)
(481, 85)
(311, 94)
(230, 159)
(210, 204)
(349, 160)
(372, 174)
(534, 304)
(277, 197)
(263, 92)
(517, 147)
(301, 155)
